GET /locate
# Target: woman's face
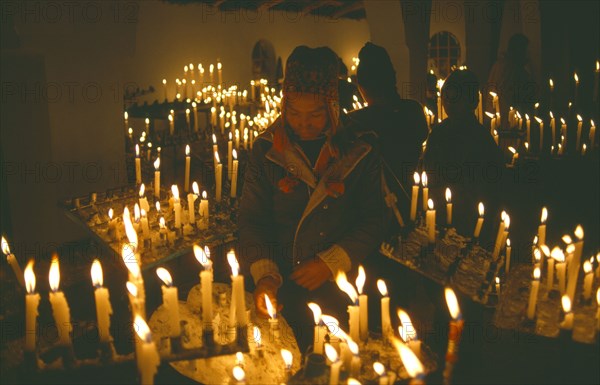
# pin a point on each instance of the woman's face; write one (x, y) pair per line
(306, 114)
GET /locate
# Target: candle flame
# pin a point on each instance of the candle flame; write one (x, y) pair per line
(202, 257)
(430, 204)
(576, 77)
(129, 230)
(96, 271)
(551, 115)
(5, 248)
(238, 373)
(204, 196)
(557, 254)
(579, 232)
(131, 288)
(587, 267)
(545, 250)
(170, 117)
(287, 358)
(570, 249)
(54, 274)
(29, 276)
(360, 279)
(331, 353)
(332, 324)
(164, 276)
(126, 115)
(506, 222)
(142, 190)
(157, 205)
(136, 212)
(535, 240)
(142, 329)
(239, 357)
(378, 368)
(130, 260)
(234, 153)
(567, 239)
(346, 286)
(406, 330)
(424, 178)
(512, 149)
(175, 192)
(537, 254)
(544, 215)
(353, 381)
(481, 209)
(497, 280)
(551, 83)
(526, 117)
(538, 120)
(233, 262)
(217, 157)
(195, 188)
(452, 303)
(448, 195)
(416, 178)
(187, 148)
(562, 121)
(257, 335)
(161, 223)
(507, 242)
(536, 273)
(410, 361)
(157, 164)
(490, 115)
(353, 346)
(316, 310)
(137, 150)
(566, 303)
(494, 95)
(270, 309)
(382, 287)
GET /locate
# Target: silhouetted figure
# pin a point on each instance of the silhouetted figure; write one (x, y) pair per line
(462, 155)
(512, 80)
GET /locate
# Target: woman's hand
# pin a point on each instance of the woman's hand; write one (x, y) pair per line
(268, 286)
(311, 274)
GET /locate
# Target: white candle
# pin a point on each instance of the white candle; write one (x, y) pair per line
(408, 332)
(567, 322)
(508, 254)
(363, 304)
(176, 206)
(448, 206)
(145, 226)
(415, 197)
(553, 129)
(103, 307)
(148, 358)
(273, 321)
(592, 134)
(515, 156)
(170, 301)
(234, 177)
(563, 132)
(252, 90)
(541, 124)
(386, 324)
(126, 119)
(12, 261)
(204, 211)
(499, 236)
(479, 223)
(425, 190)
(587, 280)
(220, 73)
(195, 107)
(542, 227)
(60, 308)
(32, 300)
(550, 275)
(237, 290)
(411, 362)
(353, 313)
(206, 281)
(535, 285)
(143, 201)
(138, 165)
(319, 330)
(218, 178)
(229, 154)
(430, 221)
(171, 124)
(573, 273)
(355, 362)
(336, 364)
(558, 255)
(191, 199)
(157, 178)
(579, 126)
(186, 185)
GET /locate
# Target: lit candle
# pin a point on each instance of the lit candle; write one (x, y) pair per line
(238, 372)
(535, 284)
(386, 324)
(381, 372)
(186, 185)
(126, 119)
(353, 313)
(170, 301)
(363, 306)
(157, 178)
(288, 358)
(480, 108)
(164, 82)
(138, 165)
(508, 254)
(542, 227)
(558, 255)
(415, 197)
(273, 321)
(553, 129)
(204, 211)
(32, 300)
(411, 363)
(515, 156)
(103, 307)
(176, 206)
(479, 223)
(567, 322)
(233, 192)
(498, 286)
(319, 330)
(220, 72)
(448, 206)
(147, 121)
(60, 308)
(114, 230)
(191, 199)
(576, 78)
(12, 261)
(430, 221)
(147, 357)
(541, 125)
(592, 134)
(252, 90)
(495, 105)
(171, 124)
(563, 132)
(218, 178)
(528, 125)
(237, 138)
(579, 126)
(237, 290)
(336, 364)
(425, 190)
(499, 236)
(211, 70)
(550, 276)
(408, 333)
(229, 154)
(587, 280)
(573, 273)
(355, 363)
(206, 281)
(333, 330)
(454, 334)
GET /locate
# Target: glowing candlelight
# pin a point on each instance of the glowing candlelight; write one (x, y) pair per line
(206, 281)
(386, 324)
(430, 221)
(60, 307)
(336, 364)
(147, 355)
(176, 205)
(32, 300)
(567, 322)
(237, 287)
(415, 197)
(353, 310)
(218, 177)
(542, 227)
(425, 190)
(479, 223)
(319, 330)
(103, 306)
(157, 178)
(535, 284)
(408, 333)
(170, 301)
(411, 362)
(448, 206)
(574, 265)
(12, 261)
(362, 304)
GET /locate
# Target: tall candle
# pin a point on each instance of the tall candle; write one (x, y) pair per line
(386, 324)
(508, 255)
(558, 255)
(363, 304)
(425, 190)
(32, 300)
(234, 177)
(563, 132)
(336, 364)
(147, 357)
(191, 199)
(567, 322)
(353, 311)
(12, 261)
(186, 186)
(448, 206)
(103, 307)
(206, 281)
(553, 129)
(319, 330)
(157, 178)
(579, 127)
(170, 301)
(126, 119)
(454, 334)
(237, 290)
(498, 243)
(171, 124)
(415, 197)
(229, 155)
(573, 268)
(60, 308)
(220, 73)
(176, 206)
(592, 134)
(542, 227)
(587, 280)
(138, 165)
(528, 125)
(204, 211)
(218, 178)
(479, 223)
(550, 275)
(541, 125)
(430, 221)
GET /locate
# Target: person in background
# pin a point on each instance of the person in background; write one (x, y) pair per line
(311, 204)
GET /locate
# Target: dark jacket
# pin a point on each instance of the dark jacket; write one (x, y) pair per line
(279, 230)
